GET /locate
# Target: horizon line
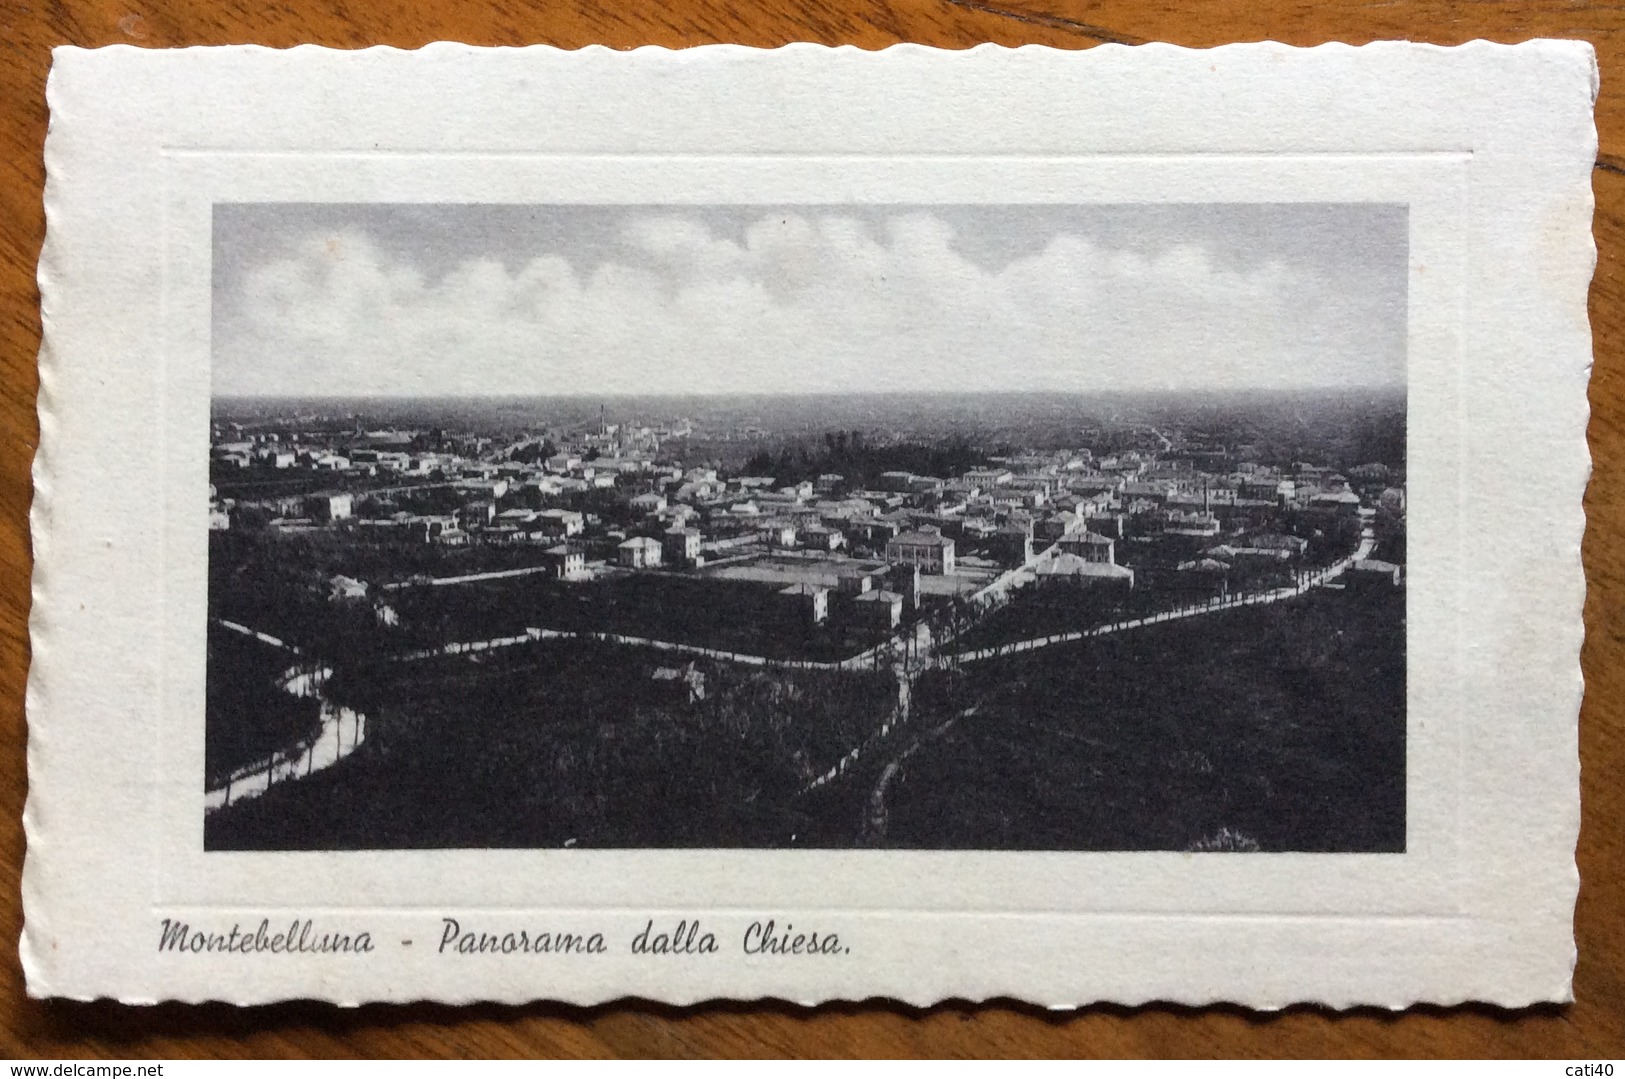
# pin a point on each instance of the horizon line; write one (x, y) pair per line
(621, 394)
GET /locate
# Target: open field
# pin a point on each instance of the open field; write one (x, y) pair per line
(281, 586)
(785, 569)
(735, 616)
(323, 554)
(822, 569)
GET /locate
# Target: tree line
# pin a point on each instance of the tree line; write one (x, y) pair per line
(861, 462)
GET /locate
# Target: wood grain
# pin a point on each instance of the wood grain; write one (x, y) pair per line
(1593, 1027)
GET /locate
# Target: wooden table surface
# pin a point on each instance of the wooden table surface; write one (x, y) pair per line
(1591, 1028)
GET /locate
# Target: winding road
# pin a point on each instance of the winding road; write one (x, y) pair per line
(1251, 599)
(872, 828)
(911, 652)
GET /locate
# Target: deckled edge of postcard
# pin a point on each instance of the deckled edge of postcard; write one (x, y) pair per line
(99, 562)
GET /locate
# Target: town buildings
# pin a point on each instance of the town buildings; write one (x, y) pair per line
(810, 600)
(931, 551)
(639, 552)
(681, 546)
(879, 608)
(567, 562)
(844, 546)
(329, 506)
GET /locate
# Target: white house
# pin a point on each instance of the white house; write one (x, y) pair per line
(639, 552)
(932, 552)
(811, 599)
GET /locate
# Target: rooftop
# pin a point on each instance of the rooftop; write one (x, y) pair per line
(1071, 565)
(1205, 565)
(924, 539)
(1375, 565)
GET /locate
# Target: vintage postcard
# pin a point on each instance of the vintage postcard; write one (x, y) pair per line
(815, 524)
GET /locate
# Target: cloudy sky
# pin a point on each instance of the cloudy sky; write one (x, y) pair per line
(316, 299)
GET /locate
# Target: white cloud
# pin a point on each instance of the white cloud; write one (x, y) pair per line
(799, 303)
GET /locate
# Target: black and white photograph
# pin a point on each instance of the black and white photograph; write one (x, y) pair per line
(1028, 527)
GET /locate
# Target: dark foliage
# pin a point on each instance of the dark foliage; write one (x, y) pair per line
(1280, 727)
(532, 452)
(566, 742)
(247, 715)
(1063, 606)
(733, 616)
(861, 463)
